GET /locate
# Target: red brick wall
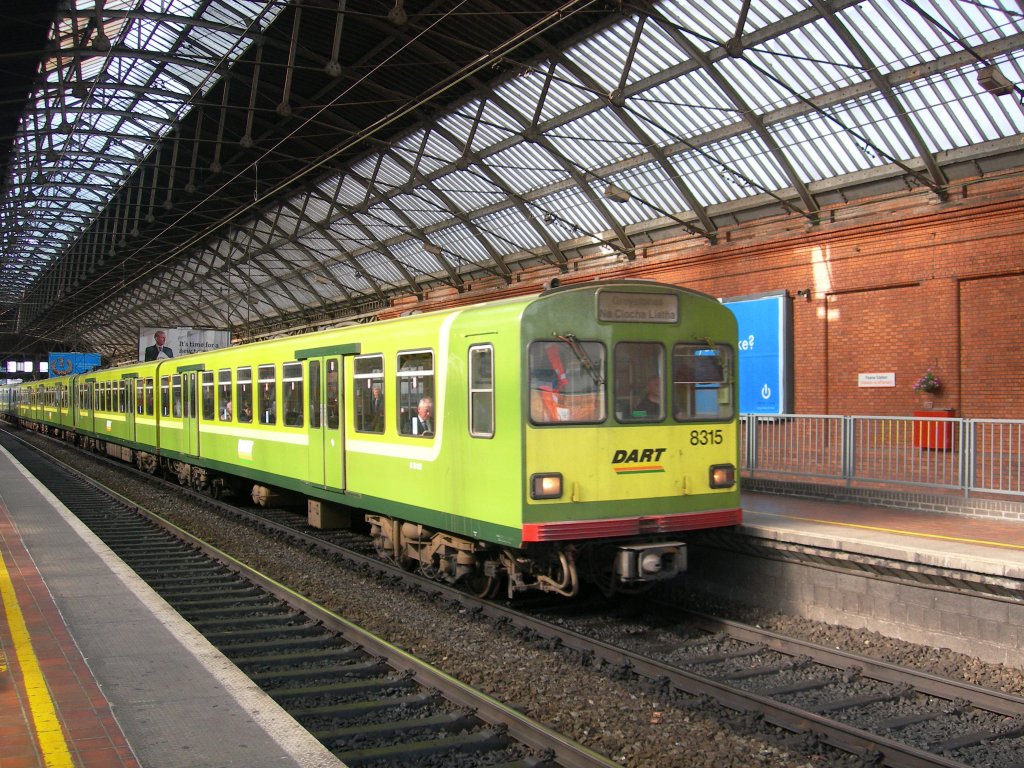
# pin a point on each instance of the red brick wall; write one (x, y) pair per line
(897, 285)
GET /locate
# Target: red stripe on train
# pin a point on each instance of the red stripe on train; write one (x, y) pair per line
(630, 526)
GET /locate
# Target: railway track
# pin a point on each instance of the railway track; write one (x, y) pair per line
(884, 714)
(369, 702)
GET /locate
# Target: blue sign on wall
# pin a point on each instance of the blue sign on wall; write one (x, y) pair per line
(67, 363)
(764, 354)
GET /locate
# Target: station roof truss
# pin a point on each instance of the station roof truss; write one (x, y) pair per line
(266, 167)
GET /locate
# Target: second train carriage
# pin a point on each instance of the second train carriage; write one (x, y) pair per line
(571, 436)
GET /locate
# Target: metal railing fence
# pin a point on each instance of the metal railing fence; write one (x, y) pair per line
(972, 455)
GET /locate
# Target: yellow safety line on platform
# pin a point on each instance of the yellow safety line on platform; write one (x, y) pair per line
(898, 530)
(44, 716)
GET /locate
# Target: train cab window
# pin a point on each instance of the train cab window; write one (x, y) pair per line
(224, 394)
(416, 394)
(207, 395)
(243, 395)
(639, 382)
(702, 382)
(481, 391)
(267, 394)
(567, 382)
(368, 393)
(176, 410)
(292, 398)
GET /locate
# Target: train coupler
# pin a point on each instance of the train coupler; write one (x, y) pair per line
(650, 562)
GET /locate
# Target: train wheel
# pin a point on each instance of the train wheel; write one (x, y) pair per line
(483, 586)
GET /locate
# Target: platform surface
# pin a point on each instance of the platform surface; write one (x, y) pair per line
(976, 545)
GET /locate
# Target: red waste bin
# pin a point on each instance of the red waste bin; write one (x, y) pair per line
(936, 435)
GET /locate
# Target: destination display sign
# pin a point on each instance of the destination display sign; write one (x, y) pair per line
(622, 307)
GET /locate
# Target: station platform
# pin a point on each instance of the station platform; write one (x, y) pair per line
(99, 672)
(983, 547)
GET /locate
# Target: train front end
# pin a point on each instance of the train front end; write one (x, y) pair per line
(631, 431)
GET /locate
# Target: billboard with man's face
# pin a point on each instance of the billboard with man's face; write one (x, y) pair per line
(156, 343)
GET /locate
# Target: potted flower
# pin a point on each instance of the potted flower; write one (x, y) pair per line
(928, 385)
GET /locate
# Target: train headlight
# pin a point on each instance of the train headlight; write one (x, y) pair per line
(546, 486)
(722, 476)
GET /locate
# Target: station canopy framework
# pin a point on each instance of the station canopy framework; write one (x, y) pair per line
(267, 167)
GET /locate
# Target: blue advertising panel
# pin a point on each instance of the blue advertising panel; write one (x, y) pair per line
(764, 354)
(66, 363)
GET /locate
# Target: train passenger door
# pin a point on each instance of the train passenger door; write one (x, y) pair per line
(190, 414)
(127, 406)
(326, 435)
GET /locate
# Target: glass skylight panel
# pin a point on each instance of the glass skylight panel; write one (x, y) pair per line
(575, 214)
(350, 236)
(508, 232)
(687, 106)
(595, 140)
(656, 53)
(460, 245)
(884, 136)
(656, 189)
(380, 267)
(603, 56)
(706, 25)
(418, 209)
(351, 193)
(390, 174)
(525, 166)
(378, 222)
(892, 42)
(469, 190)
(817, 147)
(495, 126)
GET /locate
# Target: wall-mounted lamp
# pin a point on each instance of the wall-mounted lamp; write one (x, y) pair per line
(616, 194)
(806, 293)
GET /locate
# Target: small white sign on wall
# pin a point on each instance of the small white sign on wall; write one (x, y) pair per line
(876, 379)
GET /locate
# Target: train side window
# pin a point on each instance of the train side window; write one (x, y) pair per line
(176, 411)
(207, 395)
(292, 396)
(567, 382)
(639, 381)
(243, 395)
(333, 393)
(165, 395)
(150, 408)
(140, 397)
(416, 410)
(702, 382)
(481, 391)
(314, 394)
(127, 396)
(224, 394)
(368, 393)
(267, 394)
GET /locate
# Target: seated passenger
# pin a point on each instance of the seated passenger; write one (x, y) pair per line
(422, 423)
